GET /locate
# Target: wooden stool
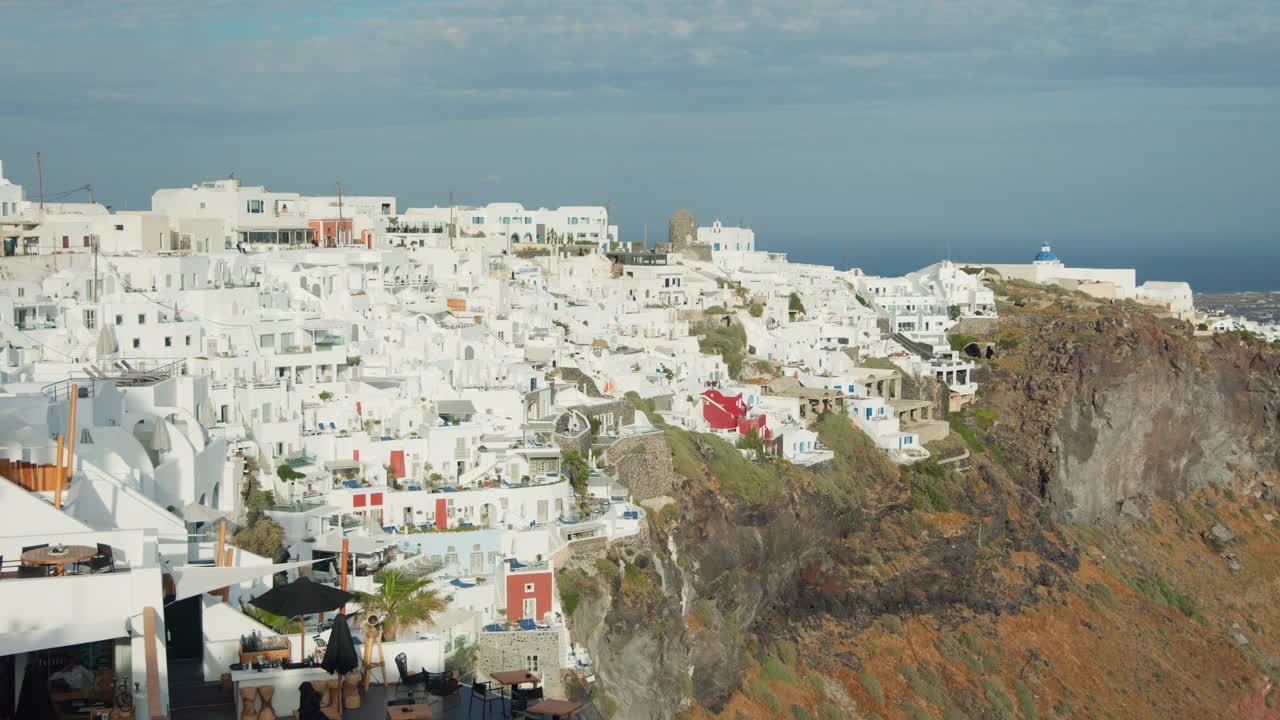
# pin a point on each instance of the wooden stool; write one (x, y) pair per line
(351, 690)
(224, 682)
(330, 704)
(267, 712)
(248, 703)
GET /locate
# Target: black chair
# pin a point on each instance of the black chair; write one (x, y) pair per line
(33, 571)
(104, 559)
(486, 693)
(442, 684)
(408, 681)
(521, 698)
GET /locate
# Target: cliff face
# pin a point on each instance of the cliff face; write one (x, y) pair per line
(947, 591)
(1122, 407)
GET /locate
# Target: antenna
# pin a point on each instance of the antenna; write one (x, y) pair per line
(339, 230)
(40, 174)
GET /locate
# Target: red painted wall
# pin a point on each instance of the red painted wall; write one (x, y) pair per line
(397, 463)
(442, 514)
(516, 594)
(721, 411)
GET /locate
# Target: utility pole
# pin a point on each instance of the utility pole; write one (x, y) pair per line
(339, 229)
(40, 174)
(95, 269)
(452, 226)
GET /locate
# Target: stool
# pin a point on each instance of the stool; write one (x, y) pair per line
(224, 682)
(330, 704)
(267, 712)
(248, 703)
(351, 691)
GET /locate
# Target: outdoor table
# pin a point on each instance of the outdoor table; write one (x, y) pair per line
(417, 711)
(513, 678)
(555, 708)
(50, 556)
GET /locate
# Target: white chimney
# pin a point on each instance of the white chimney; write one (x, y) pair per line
(1, 169)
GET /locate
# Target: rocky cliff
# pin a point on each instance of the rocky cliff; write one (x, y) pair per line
(1101, 408)
(861, 590)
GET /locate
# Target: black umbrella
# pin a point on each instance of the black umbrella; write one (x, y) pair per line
(34, 701)
(302, 597)
(340, 655)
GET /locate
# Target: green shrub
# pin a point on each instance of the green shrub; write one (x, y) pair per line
(827, 711)
(997, 698)
(1158, 590)
(773, 670)
(890, 623)
(1026, 700)
(607, 568)
(800, 713)
(762, 694)
(872, 686)
(914, 711)
(786, 652)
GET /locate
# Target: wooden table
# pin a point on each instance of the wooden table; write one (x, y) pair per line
(556, 708)
(512, 678)
(418, 711)
(69, 554)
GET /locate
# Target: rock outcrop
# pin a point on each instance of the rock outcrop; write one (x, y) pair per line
(1103, 408)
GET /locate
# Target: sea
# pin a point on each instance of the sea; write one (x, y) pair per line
(1209, 265)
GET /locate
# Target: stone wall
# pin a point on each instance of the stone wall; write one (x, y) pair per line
(498, 651)
(643, 464)
(624, 413)
(979, 326)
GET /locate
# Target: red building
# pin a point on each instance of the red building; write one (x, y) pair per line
(722, 411)
(528, 590)
(332, 233)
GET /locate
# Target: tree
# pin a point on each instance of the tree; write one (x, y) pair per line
(576, 468)
(286, 473)
(795, 305)
(401, 601)
(263, 537)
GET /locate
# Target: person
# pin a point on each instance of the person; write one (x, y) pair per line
(309, 703)
(74, 675)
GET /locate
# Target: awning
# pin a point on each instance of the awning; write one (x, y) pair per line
(356, 544)
(332, 465)
(192, 580)
(72, 633)
(197, 513)
(455, 407)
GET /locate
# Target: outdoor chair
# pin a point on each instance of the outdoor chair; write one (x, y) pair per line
(486, 693)
(521, 699)
(407, 680)
(34, 571)
(104, 560)
(443, 684)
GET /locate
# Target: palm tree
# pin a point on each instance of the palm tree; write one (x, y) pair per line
(401, 601)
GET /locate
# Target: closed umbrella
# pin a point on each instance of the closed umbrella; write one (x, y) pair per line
(160, 436)
(340, 655)
(34, 702)
(107, 343)
(302, 597)
(204, 412)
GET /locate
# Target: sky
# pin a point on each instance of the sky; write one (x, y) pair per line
(984, 126)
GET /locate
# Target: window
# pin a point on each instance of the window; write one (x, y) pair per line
(142, 319)
(573, 221)
(86, 241)
(120, 228)
(66, 242)
(528, 587)
(267, 341)
(506, 221)
(137, 343)
(531, 663)
(90, 319)
(119, 320)
(188, 341)
(255, 207)
(168, 341)
(477, 219)
(528, 221)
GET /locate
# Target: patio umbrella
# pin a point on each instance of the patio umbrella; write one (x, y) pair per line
(160, 436)
(302, 597)
(340, 655)
(107, 343)
(34, 701)
(204, 412)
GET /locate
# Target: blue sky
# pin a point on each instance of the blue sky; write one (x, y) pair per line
(1135, 121)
